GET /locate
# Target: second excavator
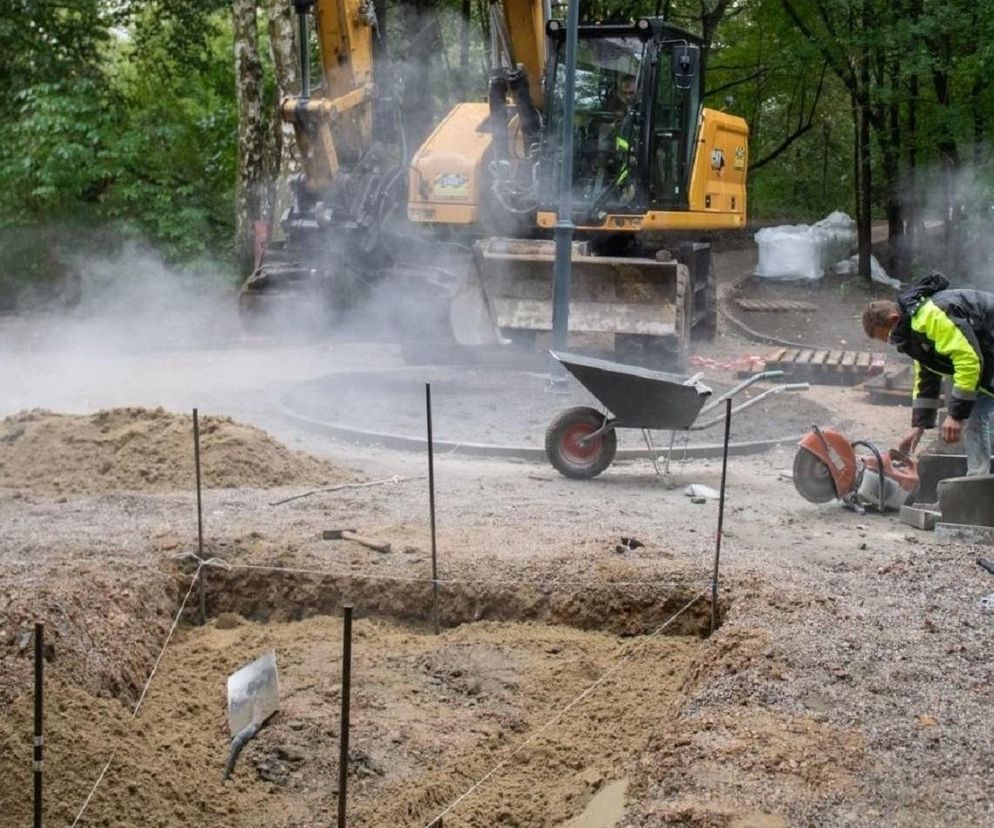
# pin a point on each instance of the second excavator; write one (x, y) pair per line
(452, 237)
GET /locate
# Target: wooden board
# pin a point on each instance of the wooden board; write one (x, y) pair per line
(774, 306)
(823, 367)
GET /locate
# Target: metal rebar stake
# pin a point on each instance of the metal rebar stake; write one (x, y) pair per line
(200, 519)
(431, 509)
(343, 751)
(39, 741)
(721, 517)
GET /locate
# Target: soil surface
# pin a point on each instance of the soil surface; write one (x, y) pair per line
(837, 322)
(848, 684)
(140, 449)
(839, 298)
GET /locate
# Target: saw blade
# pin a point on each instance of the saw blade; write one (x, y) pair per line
(812, 478)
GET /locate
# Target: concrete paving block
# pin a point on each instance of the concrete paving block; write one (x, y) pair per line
(967, 500)
(919, 518)
(962, 533)
(935, 467)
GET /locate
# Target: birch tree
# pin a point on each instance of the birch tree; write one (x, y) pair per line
(253, 192)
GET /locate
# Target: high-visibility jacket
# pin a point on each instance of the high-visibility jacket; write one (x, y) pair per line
(949, 333)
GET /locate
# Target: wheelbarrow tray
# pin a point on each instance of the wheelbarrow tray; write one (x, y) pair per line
(636, 396)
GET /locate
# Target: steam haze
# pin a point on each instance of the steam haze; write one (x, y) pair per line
(959, 216)
(141, 333)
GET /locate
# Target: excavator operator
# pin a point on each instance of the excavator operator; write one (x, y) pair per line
(625, 95)
(614, 138)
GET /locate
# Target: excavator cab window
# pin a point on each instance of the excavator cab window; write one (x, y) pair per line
(637, 104)
(607, 121)
(674, 124)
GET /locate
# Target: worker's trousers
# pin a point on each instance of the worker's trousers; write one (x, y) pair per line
(977, 436)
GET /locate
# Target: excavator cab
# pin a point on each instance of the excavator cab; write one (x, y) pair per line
(636, 104)
(392, 237)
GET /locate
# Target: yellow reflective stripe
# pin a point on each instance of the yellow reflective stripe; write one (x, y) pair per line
(949, 341)
(621, 143)
(916, 388)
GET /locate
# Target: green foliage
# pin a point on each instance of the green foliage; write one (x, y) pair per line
(54, 151)
(175, 155)
(125, 130)
(122, 115)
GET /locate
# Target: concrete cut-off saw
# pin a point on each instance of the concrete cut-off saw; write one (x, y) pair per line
(827, 467)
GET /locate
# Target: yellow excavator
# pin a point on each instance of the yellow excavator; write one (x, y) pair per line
(452, 237)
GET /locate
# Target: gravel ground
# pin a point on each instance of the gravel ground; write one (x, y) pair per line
(849, 684)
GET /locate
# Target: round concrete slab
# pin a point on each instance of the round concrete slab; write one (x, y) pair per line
(506, 412)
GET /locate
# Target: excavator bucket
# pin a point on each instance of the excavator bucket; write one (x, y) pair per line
(509, 287)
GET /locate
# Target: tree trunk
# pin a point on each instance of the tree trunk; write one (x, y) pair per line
(865, 222)
(890, 145)
(865, 227)
(285, 53)
(913, 208)
(422, 49)
(465, 74)
(253, 200)
(283, 47)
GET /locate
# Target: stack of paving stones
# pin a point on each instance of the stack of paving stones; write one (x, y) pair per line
(958, 508)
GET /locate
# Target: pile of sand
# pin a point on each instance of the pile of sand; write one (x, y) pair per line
(143, 449)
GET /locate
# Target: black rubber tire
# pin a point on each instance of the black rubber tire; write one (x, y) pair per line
(684, 318)
(564, 452)
(707, 329)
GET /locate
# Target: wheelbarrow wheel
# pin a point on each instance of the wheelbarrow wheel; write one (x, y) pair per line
(573, 458)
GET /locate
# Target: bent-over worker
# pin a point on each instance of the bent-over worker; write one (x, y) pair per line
(948, 333)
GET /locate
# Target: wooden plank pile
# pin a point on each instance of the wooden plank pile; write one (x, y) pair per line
(821, 367)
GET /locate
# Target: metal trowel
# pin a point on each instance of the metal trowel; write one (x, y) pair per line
(253, 696)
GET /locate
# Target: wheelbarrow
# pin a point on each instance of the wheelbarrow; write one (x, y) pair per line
(581, 442)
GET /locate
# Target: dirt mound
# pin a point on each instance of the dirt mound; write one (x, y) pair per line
(145, 449)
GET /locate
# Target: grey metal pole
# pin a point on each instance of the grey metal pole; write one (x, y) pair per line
(39, 744)
(564, 227)
(721, 517)
(343, 750)
(200, 519)
(431, 509)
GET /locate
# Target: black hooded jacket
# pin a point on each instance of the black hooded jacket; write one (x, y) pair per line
(948, 333)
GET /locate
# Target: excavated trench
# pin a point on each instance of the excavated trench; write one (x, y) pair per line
(547, 691)
(431, 715)
(264, 596)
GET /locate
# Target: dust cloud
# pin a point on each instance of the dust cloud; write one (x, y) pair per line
(957, 219)
(128, 329)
